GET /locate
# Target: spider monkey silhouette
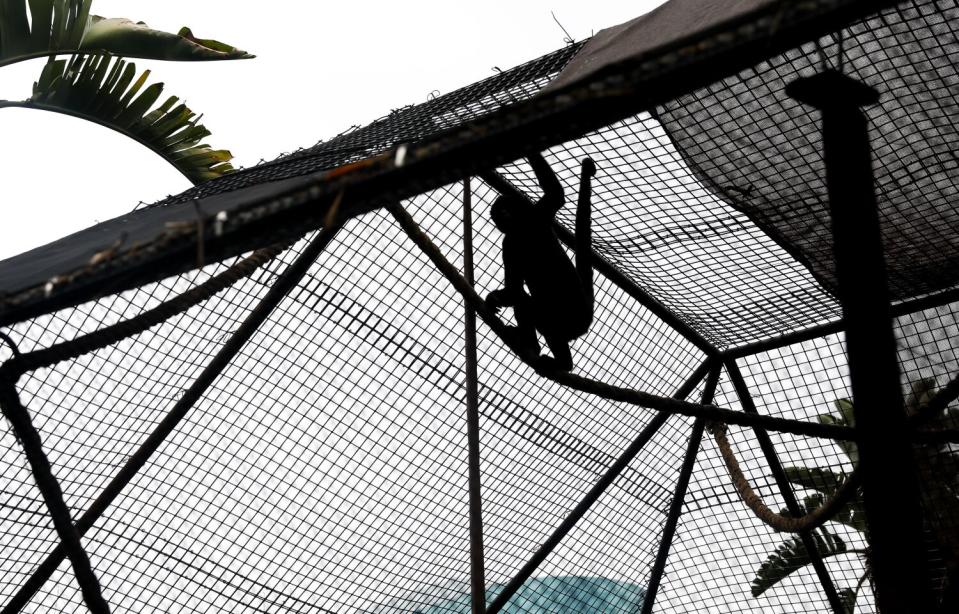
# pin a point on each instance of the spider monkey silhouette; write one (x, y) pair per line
(559, 303)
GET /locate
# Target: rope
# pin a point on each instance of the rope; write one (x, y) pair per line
(830, 506)
(96, 340)
(49, 487)
(780, 522)
(607, 391)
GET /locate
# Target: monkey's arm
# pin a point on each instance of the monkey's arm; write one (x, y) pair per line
(513, 282)
(553, 195)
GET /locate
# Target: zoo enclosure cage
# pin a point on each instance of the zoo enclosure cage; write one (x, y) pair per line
(287, 429)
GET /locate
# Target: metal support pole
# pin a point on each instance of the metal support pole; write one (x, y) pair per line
(679, 496)
(477, 565)
(772, 459)
(283, 285)
(890, 484)
(594, 493)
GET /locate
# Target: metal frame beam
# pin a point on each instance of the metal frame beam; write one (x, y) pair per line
(886, 461)
(815, 332)
(282, 286)
(619, 91)
(477, 559)
(679, 495)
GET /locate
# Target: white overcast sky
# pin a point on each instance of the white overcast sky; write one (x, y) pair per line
(320, 67)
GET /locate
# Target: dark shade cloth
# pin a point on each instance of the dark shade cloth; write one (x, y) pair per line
(663, 26)
(761, 151)
(137, 227)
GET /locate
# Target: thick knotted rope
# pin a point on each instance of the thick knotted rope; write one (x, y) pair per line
(780, 522)
(947, 394)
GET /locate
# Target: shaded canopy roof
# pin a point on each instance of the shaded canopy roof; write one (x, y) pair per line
(621, 71)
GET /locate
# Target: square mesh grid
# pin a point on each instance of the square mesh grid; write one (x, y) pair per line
(326, 468)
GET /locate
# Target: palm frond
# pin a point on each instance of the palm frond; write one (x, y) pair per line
(137, 40)
(847, 597)
(826, 483)
(844, 416)
(820, 480)
(792, 556)
(107, 91)
(67, 26)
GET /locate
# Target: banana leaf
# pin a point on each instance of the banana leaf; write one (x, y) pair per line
(66, 26)
(107, 91)
(792, 556)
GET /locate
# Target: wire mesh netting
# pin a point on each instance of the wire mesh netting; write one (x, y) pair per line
(325, 470)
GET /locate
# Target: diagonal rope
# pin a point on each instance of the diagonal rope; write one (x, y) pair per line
(109, 335)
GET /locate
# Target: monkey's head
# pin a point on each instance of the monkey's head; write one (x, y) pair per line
(502, 212)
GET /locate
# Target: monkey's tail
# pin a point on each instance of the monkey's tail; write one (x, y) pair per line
(584, 232)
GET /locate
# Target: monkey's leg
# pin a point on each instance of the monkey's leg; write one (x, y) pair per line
(584, 232)
(524, 333)
(562, 360)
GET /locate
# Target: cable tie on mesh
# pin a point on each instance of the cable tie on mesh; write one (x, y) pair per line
(218, 223)
(400, 158)
(52, 284)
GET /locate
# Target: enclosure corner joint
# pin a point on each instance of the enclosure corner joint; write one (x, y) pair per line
(598, 488)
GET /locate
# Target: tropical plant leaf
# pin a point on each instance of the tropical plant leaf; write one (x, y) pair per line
(847, 597)
(827, 483)
(821, 480)
(137, 40)
(66, 26)
(850, 513)
(844, 417)
(921, 392)
(792, 556)
(104, 90)
(949, 418)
